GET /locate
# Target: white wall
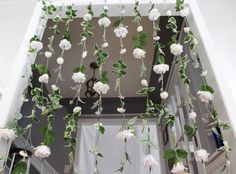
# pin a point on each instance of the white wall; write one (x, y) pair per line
(14, 16)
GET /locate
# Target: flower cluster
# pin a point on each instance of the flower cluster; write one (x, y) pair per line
(139, 53)
(42, 151)
(161, 68)
(201, 155)
(7, 134)
(125, 135)
(176, 49)
(121, 31)
(205, 96)
(78, 77)
(65, 44)
(149, 161)
(101, 88)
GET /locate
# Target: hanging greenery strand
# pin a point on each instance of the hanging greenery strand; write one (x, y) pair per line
(101, 87)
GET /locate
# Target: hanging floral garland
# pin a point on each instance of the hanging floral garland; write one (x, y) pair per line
(101, 87)
(139, 40)
(65, 43)
(79, 78)
(127, 131)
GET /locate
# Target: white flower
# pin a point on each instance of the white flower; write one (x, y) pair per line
(44, 78)
(192, 115)
(77, 109)
(84, 54)
(140, 28)
(149, 161)
(106, 8)
(54, 87)
(7, 134)
(36, 45)
(105, 45)
(186, 29)
(104, 22)
(201, 155)
(139, 53)
(154, 14)
(176, 49)
(48, 54)
(121, 110)
(123, 51)
(168, 13)
(97, 125)
(23, 154)
(87, 17)
(101, 88)
(144, 82)
(125, 135)
(60, 60)
(205, 96)
(156, 38)
(78, 77)
(161, 68)
(204, 73)
(83, 39)
(178, 167)
(184, 12)
(164, 95)
(121, 31)
(42, 151)
(65, 44)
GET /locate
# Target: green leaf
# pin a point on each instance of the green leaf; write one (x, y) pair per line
(207, 88)
(190, 131)
(140, 40)
(20, 168)
(101, 129)
(170, 154)
(79, 69)
(181, 153)
(104, 78)
(132, 121)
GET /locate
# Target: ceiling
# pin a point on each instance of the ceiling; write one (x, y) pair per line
(131, 82)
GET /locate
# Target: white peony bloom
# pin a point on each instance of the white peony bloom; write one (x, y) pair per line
(156, 38)
(201, 155)
(121, 110)
(168, 13)
(60, 60)
(123, 51)
(23, 154)
(176, 49)
(144, 82)
(121, 31)
(164, 95)
(205, 96)
(44, 78)
(154, 14)
(79, 77)
(178, 167)
(36, 45)
(84, 54)
(42, 151)
(101, 88)
(161, 68)
(54, 87)
(105, 45)
(87, 17)
(65, 44)
(149, 161)
(140, 28)
(227, 163)
(48, 54)
(77, 109)
(104, 22)
(186, 29)
(125, 135)
(192, 115)
(185, 12)
(139, 53)
(7, 134)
